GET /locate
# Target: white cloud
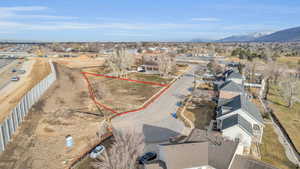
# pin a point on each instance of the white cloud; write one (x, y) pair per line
(12, 13)
(206, 19)
(129, 34)
(46, 17)
(4, 25)
(24, 8)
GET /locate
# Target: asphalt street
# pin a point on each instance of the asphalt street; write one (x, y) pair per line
(156, 121)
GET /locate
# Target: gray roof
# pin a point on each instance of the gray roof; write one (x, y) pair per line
(241, 102)
(187, 155)
(243, 162)
(237, 119)
(210, 149)
(231, 86)
(235, 75)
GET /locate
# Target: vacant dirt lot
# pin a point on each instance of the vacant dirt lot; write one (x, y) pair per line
(40, 141)
(123, 95)
(80, 62)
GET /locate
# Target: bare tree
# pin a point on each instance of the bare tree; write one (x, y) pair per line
(120, 61)
(289, 89)
(272, 72)
(250, 69)
(214, 67)
(128, 146)
(166, 64)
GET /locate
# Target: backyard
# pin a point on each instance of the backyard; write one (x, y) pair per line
(272, 151)
(288, 117)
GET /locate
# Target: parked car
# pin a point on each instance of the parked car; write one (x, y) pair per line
(15, 78)
(97, 151)
(141, 69)
(22, 71)
(14, 70)
(147, 157)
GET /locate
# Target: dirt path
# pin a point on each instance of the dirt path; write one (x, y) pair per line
(40, 141)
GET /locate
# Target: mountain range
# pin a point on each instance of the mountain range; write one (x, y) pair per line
(286, 35)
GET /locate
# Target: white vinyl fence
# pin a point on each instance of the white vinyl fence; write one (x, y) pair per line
(11, 123)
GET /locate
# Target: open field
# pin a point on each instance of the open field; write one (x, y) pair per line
(272, 151)
(122, 95)
(11, 94)
(292, 62)
(63, 110)
(289, 118)
(80, 62)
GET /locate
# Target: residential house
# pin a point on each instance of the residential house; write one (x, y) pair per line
(235, 76)
(230, 89)
(204, 150)
(238, 118)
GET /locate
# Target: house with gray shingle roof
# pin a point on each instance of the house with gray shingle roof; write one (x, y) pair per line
(229, 89)
(235, 127)
(236, 116)
(202, 151)
(234, 76)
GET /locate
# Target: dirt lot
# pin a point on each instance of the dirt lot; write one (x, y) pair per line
(80, 62)
(123, 95)
(40, 141)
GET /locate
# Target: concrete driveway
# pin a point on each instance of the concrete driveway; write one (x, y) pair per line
(156, 121)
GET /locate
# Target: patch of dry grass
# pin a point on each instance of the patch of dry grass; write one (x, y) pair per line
(272, 151)
(201, 115)
(291, 62)
(289, 118)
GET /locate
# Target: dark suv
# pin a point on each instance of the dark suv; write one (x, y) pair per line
(147, 157)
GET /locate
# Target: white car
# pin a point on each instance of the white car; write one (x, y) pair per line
(97, 151)
(15, 78)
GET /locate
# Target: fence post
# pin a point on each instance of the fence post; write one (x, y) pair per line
(2, 144)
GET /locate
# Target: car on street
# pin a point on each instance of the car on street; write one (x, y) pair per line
(97, 151)
(15, 78)
(21, 71)
(147, 157)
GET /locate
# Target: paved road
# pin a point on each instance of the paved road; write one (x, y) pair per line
(6, 71)
(155, 121)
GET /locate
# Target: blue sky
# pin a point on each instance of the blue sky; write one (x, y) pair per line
(138, 20)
